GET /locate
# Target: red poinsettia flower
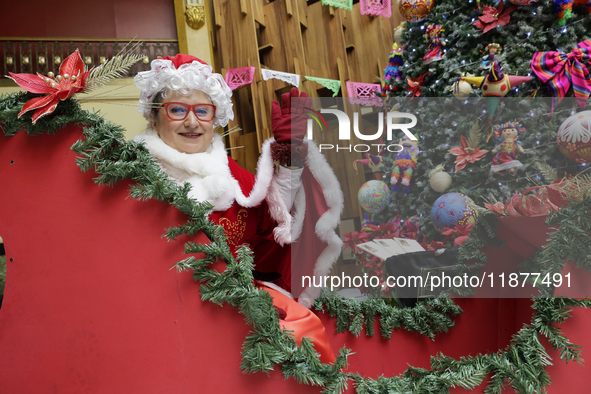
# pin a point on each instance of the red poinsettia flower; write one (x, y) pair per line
(458, 234)
(492, 17)
(351, 240)
(415, 84)
(71, 80)
(466, 154)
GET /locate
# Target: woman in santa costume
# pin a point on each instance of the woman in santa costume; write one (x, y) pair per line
(183, 100)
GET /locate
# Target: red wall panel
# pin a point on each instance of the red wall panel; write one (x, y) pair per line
(96, 19)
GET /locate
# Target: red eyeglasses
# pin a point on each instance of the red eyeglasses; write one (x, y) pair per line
(180, 111)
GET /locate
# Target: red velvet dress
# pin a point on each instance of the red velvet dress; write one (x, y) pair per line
(254, 226)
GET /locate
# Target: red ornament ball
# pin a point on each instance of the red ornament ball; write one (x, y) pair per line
(574, 137)
(415, 10)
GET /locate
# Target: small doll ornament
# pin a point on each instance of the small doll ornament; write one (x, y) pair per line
(492, 50)
(508, 144)
(404, 165)
(434, 52)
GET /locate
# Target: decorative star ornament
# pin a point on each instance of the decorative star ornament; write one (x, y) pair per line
(494, 86)
(71, 80)
(492, 17)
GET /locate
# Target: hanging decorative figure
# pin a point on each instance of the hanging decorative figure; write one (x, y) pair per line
(492, 50)
(507, 137)
(434, 52)
(404, 165)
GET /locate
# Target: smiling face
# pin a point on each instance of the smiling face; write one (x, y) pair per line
(190, 135)
(509, 134)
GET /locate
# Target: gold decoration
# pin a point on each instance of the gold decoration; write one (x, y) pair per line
(102, 59)
(57, 59)
(87, 60)
(26, 60)
(9, 60)
(195, 16)
(146, 60)
(114, 68)
(547, 171)
(41, 60)
(474, 136)
(439, 180)
(235, 230)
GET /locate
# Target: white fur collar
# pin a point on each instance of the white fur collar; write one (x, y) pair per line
(207, 172)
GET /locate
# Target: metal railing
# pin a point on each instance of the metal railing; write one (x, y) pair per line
(42, 55)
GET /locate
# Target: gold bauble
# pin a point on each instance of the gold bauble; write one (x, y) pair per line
(439, 180)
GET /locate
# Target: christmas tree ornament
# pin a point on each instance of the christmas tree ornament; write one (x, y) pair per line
(507, 137)
(373, 162)
(524, 2)
(558, 70)
(469, 151)
(373, 196)
(453, 209)
(462, 89)
(415, 10)
(492, 17)
(495, 85)
(564, 9)
(439, 180)
(404, 165)
(398, 33)
(574, 137)
(392, 73)
(491, 50)
(415, 85)
(434, 51)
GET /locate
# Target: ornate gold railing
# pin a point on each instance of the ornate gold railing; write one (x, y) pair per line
(31, 55)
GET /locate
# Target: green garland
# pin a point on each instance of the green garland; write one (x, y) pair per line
(521, 365)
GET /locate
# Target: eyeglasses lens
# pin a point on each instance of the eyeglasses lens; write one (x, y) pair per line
(180, 111)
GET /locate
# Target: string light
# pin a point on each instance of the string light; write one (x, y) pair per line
(564, 30)
(528, 34)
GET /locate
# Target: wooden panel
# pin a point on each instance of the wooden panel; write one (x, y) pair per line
(375, 42)
(323, 42)
(284, 33)
(238, 37)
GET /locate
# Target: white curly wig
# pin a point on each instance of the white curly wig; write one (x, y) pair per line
(184, 74)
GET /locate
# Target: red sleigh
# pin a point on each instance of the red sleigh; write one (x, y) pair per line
(92, 304)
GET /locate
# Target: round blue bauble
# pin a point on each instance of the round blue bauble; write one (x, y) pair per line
(452, 209)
